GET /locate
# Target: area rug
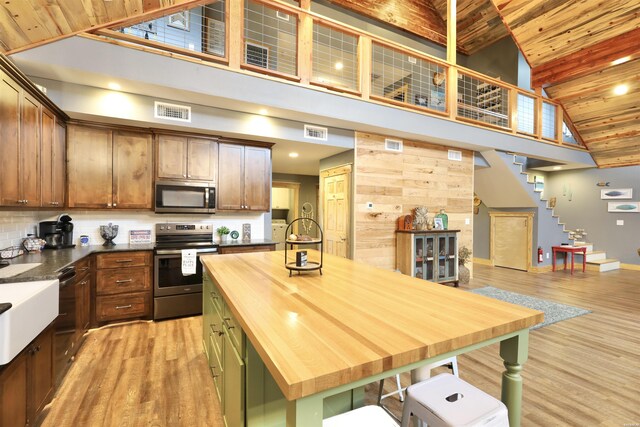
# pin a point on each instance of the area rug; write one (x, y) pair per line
(553, 311)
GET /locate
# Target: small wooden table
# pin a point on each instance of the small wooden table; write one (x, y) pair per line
(570, 250)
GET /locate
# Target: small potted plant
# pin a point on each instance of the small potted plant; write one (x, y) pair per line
(464, 255)
(224, 233)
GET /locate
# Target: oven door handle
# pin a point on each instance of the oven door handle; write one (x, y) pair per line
(179, 252)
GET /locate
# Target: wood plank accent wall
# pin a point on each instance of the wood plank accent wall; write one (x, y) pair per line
(398, 182)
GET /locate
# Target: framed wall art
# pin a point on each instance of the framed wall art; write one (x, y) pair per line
(624, 206)
(616, 193)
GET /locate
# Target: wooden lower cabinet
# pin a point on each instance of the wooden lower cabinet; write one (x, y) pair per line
(26, 383)
(123, 286)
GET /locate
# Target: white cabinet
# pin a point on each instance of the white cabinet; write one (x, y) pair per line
(280, 198)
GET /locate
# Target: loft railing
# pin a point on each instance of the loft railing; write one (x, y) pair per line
(274, 38)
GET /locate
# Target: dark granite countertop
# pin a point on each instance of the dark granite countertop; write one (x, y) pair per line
(4, 306)
(53, 260)
(254, 242)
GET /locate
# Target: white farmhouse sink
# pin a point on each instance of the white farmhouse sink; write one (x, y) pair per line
(34, 306)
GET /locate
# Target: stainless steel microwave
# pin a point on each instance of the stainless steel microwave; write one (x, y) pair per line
(185, 197)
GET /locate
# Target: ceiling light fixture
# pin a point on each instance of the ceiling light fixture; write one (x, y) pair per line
(621, 60)
(114, 86)
(293, 154)
(339, 65)
(557, 168)
(621, 89)
(263, 112)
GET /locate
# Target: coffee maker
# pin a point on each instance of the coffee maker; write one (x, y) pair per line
(57, 234)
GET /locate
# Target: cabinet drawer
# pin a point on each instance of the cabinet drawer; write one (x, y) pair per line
(234, 329)
(83, 266)
(117, 307)
(123, 259)
(117, 281)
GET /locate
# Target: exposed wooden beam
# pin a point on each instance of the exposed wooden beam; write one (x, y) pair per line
(150, 12)
(587, 61)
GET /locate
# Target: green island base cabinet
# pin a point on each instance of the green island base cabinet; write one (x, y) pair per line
(430, 255)
(248, 394)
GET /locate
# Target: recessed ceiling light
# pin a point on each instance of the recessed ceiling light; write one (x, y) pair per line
(557, 168)
(263, 112)
(339, 65)
(621, 89)
(293, 154)
(621, 60)
(114, 86)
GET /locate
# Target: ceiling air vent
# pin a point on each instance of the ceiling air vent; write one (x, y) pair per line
(393, 145)
(164, 110)
(316, 132)
(455, 155)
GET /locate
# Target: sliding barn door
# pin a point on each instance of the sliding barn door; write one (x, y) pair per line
(511, 239)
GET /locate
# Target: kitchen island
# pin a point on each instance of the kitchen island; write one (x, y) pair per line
(321, 336)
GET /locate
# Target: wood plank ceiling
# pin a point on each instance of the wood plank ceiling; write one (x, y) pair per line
(479, 24)
(579, 52)
(29, 23)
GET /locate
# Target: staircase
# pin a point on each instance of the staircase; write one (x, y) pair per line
(596, 260)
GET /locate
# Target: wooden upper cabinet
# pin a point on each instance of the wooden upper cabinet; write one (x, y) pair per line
(90, 167)
(30, 151)
(110, 169)
(10, 94)
(244, 175)
(172, 157)
(202, 158)
(181, 157)
(53, 161)
(132, 170)
(231, 177)
(257, 178)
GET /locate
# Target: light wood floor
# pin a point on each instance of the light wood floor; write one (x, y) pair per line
(581, 372)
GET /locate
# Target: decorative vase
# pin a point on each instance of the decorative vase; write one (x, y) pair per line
(464, 275)
(224, 238)
(445, 219)
(108, 233)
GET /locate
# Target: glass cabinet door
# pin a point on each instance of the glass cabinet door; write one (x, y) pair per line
(442, 257)
(429, 258)
(451, 256)
(418, 260)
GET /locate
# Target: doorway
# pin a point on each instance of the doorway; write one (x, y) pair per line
(511, 239)
(285, 198)
(335, 188)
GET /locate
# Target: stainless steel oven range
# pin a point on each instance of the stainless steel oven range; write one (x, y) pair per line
(175, 294)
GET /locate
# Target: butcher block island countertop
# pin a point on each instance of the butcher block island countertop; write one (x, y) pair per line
(318, 332)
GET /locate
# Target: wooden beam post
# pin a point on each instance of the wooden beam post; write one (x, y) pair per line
(364, 60)
(452, 77)
(236, 33)
(305, 44)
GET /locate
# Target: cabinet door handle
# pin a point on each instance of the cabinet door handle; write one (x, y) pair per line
(114, 205)
(214, 295)
(108, 205)
(226, 323)
(184, 175)
(120, 307)
(84, 268)
(124, 281)
(124, 260)
(84, 282)
(26, 202)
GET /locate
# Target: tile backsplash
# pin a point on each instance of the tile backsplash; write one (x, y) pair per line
(15, 225)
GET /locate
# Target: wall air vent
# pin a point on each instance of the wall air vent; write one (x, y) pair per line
(455, 155)
(164, 110)
(282, 15)
(393, 145)
(316, 132)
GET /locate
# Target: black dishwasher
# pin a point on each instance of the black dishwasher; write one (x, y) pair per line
(65, 323)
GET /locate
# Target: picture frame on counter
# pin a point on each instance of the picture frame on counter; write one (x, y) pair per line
(139, 237)
(438, 224)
